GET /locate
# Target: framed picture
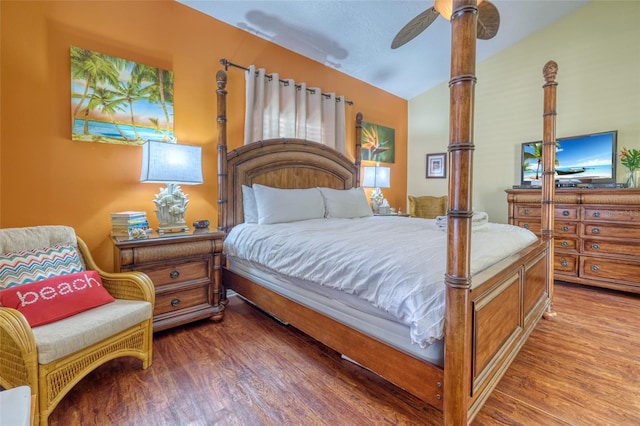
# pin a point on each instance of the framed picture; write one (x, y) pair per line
(437, 165)
(378, 143)
(114, 100)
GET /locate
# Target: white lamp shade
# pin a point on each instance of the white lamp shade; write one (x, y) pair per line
(164, 162)
(376, 177)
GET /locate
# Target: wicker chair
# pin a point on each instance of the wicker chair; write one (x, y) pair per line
(39, 356)
(427, 207)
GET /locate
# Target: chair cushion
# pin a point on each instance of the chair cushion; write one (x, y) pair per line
(69, 335)
(55, 298)
(427, 206)
(27, 266)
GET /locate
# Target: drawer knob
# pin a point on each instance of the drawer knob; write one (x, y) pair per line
(175, 302)
(565, 228)
(564, 263)
(595, 268)
(565, 213)
(525, 226)
(596, 214)
(595, 231)
(595, 246)
(174, 274)
(565, 244)
(526, 211)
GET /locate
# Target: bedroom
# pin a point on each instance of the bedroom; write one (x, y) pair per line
(35, 41)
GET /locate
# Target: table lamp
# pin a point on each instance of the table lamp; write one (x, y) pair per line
(173, 164)
(376, 177)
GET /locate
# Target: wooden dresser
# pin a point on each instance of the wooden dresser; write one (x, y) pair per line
(185, 270)
(597, 233)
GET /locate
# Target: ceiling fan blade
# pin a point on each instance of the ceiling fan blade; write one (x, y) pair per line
(414, 27)
(488, 20)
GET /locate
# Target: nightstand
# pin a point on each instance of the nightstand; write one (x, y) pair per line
(185, 269)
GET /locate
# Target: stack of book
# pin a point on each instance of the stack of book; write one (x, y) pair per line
(130, 224)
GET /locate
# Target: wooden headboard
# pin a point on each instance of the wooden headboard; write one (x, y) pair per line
(279, 163)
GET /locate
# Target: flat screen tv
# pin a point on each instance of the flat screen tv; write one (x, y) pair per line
(585, 159)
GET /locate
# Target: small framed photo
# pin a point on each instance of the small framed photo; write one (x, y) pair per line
(437, 165)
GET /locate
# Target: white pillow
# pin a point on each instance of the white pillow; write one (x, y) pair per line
(249, 207)
(346, 203)
(287, 205)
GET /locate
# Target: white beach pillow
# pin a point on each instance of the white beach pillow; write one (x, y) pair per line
(249, 207)
(345, 203)
(276, 205)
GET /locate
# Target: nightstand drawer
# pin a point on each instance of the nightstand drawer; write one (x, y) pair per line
(177, 300)
(180, 272)
(566, 212)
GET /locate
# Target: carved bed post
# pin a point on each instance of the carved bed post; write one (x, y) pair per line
(549, 71)
(221, 93)
(457, 356)
(358, 147)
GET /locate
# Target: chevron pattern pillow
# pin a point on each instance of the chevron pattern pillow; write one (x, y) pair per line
(28, 266)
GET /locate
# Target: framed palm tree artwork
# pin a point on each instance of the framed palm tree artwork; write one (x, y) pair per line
(378, 143)
(115, 100)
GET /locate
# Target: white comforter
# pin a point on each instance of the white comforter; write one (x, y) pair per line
(395, 263)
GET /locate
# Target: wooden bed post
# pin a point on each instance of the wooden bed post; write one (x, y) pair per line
(549, 71)
(358, 147)
(457, 356)
(221, 93)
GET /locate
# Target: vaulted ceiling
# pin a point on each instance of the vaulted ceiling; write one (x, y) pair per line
(354, 36)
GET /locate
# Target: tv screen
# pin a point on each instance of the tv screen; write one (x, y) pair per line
(585, 159)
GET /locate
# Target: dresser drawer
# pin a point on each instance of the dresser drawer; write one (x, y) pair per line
(624, 248)
(610, 230)
(565, 243)
(566, 264)
(566, 212)
(531, 225)
(178, 300)
(565, 228)
(614, 270)
(524, 211)
(626, 215)
(163, 274)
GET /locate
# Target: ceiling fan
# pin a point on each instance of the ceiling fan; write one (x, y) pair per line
(488, 21)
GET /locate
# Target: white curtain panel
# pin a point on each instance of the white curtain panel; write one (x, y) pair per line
(277, 109)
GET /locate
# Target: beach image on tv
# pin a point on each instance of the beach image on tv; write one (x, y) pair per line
(578, 159)
(115, 100)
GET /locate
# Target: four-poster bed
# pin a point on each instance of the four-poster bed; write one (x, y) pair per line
(487, 319)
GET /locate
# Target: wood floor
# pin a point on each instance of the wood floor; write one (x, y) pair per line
(582, 368)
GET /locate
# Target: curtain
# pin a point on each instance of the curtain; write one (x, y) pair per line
(284, 109)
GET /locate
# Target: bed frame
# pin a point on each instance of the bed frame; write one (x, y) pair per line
(488, 319)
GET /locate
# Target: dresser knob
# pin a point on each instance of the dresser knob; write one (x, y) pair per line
(596, 214)
(525, 226)
(565, 244)
(565, 213)
(174, 274)
(526, 211)
(565, 228)
(564, 263)
(595, 231)
(595, 246)
(595, 268)
(175, 302)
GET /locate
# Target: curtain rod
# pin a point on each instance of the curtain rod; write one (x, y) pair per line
(228, 64)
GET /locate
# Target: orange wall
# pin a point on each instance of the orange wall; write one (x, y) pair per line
(46, 178)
